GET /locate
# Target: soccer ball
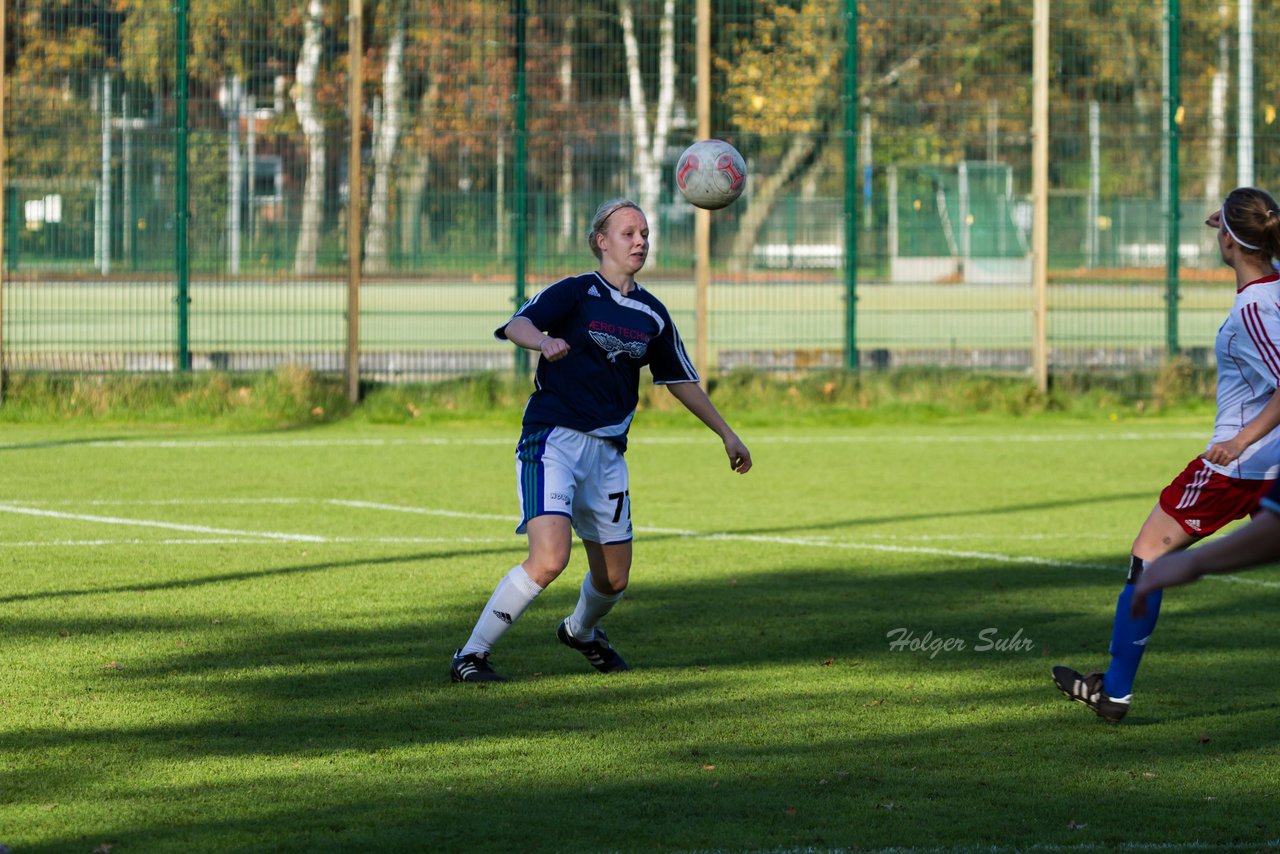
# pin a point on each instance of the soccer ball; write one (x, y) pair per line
(711, 174)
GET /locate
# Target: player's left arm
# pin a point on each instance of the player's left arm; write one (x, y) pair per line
(1222, 453)
(696, 401)
(1262, 325)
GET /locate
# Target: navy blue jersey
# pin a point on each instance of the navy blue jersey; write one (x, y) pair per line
(595, 388)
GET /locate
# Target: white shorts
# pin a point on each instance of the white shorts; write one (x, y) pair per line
(566, 473)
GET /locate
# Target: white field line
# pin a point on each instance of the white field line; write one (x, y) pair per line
(150, 523)
(1038, 848)
(949, 439)
(425, 511)
(259, 541)
(808, 542)
(847, 438)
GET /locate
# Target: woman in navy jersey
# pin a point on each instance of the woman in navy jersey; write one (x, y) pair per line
(593, 332)
(1242, 459)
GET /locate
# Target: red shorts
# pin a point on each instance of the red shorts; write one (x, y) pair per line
(1203, 501)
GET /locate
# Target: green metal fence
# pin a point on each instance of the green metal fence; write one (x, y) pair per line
(178, 203)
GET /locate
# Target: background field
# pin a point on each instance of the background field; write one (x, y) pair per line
(445, 327)
(218, 641)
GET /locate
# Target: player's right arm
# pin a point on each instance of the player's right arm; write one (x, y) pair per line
(522, 332)
(545, 310)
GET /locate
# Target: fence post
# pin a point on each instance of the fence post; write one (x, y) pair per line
(1040, 194)
(851, 183)
(1172, 198)
(520, 206)
(702, 218)
(355, 195)
(4, 192)
(181, 236)
(1244, 116)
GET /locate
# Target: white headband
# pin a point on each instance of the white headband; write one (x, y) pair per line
(1223, 216)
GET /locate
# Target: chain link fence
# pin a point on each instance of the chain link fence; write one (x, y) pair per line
(178, 203)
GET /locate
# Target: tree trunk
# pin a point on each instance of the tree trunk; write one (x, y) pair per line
(566, 150)
(308, 247)
(234, 110)
(1217, 127)
(765, 192)
(384, 152)
(415, 184)
(764, 195)
(649, 149)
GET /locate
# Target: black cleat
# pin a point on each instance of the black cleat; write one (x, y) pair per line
(602, 656)
(472, 668)
(1088, 690)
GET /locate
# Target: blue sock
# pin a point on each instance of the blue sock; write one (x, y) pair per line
(1128, 641)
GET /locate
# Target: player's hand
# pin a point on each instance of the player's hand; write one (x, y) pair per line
(1222, 453)
(1168, 571)
(554, 349)
(739, 456)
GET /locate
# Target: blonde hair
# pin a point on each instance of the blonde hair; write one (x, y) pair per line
(606, 210)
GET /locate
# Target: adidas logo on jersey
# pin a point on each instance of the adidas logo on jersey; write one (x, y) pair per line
(592, 290)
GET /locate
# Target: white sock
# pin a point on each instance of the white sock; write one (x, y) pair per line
(513, 594)
(591, 608)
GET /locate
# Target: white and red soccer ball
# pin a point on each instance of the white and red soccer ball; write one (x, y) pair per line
(711, 174)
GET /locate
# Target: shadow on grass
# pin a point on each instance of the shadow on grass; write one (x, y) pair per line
(765, 712)
(979, 511)
(62, 443)
(252, 575)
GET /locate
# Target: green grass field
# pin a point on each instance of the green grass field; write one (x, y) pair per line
(218, 641)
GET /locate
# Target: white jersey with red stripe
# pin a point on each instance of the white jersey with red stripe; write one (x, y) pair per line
(1248, 354)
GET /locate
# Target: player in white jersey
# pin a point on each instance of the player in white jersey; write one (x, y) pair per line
(593, 333)
(1242, 459)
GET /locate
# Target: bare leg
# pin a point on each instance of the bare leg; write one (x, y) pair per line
(1159, 535)
(550, 541)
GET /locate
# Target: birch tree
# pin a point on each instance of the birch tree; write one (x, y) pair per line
(233, 98)
(307, 108)
(564, 75)
(386, 137)
(650, 147)
(414, 185)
